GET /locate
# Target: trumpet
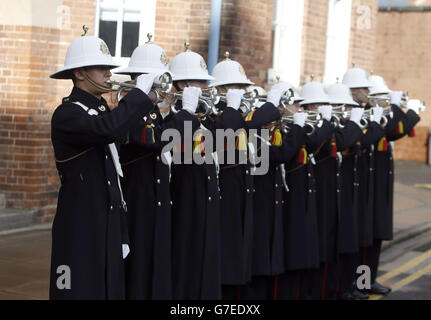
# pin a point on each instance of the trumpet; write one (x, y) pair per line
(287, 97)
(310, 124)
(161, 85)
(380, 101)
(249, 101)
(207, 100)
(368, 116)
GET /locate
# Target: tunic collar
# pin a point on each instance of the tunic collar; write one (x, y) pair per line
(88, 100)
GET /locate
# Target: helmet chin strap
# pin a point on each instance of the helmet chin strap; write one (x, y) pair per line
(95, 84)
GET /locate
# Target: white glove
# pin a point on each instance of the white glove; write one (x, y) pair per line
(191, 98)
(326, 112)
(233, 98)
(356, 115)
(274, 95)
(145, 82)
(377, 114)
(396, 97)
(414, 105)
(299, 118)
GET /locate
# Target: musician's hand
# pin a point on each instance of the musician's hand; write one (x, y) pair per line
(396, 97)
(326, 112)
(274, 95)
(299, 118)
(191, 98)
(233, 98)
(377, 114)
(414, 105)
(145, 82)
(356, 115)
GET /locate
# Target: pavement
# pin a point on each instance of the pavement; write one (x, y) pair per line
(25, 253)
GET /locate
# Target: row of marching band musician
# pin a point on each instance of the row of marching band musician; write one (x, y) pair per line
(133, 224)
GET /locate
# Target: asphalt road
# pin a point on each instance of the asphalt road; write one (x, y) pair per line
(406, 268)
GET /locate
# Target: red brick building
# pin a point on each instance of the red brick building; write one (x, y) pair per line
(293, 39)
(403, 43)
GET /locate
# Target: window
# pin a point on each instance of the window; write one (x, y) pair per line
(287, 35)
(337, 40)
(123, 25)
(393, 3)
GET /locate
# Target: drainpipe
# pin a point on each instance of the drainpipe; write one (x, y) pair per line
(213, 45)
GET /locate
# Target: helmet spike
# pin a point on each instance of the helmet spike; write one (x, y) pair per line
(85, 28)
(149, 36)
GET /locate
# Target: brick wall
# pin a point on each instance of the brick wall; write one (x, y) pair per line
(178, 21)
(27, 98)
(246, 32)
(413, 148)
(314, 39)
(363, 34)
(402, 58)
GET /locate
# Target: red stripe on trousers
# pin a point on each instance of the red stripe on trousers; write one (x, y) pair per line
(322, 295)
(275, 287)
(299, 289)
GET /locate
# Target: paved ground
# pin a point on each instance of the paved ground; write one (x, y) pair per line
(25, 256)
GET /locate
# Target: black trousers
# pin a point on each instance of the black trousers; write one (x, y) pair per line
(260, 288)
(370, 256)
(347, 266)
(322, 282)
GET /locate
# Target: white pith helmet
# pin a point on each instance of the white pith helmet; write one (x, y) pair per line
(356, 78)
(84, 52)
(189, 65)
(147, 58)
(229, 72)
(313, 92)
(378, 85)
(339, 93)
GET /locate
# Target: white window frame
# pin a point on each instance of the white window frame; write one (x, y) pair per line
(288, 25)
(147, 23)
(337, 40)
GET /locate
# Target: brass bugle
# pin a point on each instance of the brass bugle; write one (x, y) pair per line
(249, 100)
(287, 97)
(208, 99)
(311, 124)
(162, 84)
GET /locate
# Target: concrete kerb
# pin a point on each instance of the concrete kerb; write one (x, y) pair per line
(406, 234)
(35, 227)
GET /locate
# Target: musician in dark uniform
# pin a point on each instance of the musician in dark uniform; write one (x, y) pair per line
(146, 191)
(349, 131)
(235, 179)
(398, 125)
(268, 233)
(196, 255)
(358, 173)
(328, 186)
(300, 217)
(89, 233)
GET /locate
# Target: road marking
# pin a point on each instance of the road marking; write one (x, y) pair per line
(423, 185)
(405, 281)
(406, 266)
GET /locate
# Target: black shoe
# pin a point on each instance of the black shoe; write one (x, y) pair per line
(360, 295)
(377, 288)
(346, 296)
